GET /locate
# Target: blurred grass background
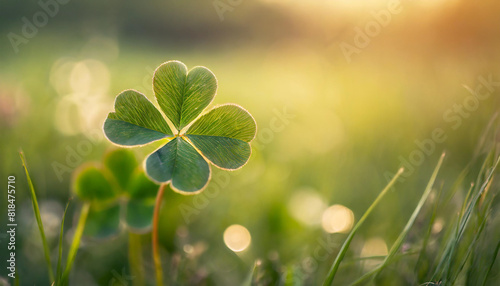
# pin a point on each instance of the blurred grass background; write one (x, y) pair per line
(350, 121)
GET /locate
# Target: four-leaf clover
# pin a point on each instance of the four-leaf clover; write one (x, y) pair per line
(221, 136)
(117, 190)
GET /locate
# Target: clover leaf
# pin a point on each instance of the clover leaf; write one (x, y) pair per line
(221, 136)
(118, 190)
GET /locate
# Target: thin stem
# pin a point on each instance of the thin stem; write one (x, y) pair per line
(75, 244)
(156, 249)
(61, 242)
(135, 258)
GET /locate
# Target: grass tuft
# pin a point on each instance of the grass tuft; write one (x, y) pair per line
(36, 209)
(399, 241)
(343, 250)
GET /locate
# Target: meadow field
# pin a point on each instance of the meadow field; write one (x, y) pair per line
(344, 95)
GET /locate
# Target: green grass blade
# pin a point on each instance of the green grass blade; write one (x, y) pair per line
(448, 248)
(479, 252)
(59, 259)
(335, 266)
(467, 198)
(399, 241)
(36, 209)
(484, 136)
(379, 257)
(452, 277)
(251, 274)
(457, 184)
(495, 253)
(75, 244)
(475, 199)
(448, 257)
(427, 236)
(479, 147)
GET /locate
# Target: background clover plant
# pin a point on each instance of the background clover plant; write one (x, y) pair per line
(117, 190)
(221, 136)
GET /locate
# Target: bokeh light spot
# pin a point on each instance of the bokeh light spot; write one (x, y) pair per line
(337, 218)
(438, 225)
(373, 247)
(307, 207)
(237, 237)
(90, 78)
(67, 116)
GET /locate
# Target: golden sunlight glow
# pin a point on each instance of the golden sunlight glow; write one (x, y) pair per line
(348, 4)
(237, 237)
(359, 5)
(83, 86)
(337, 218)
(438, 225)
(307, 207)
(51, 212)
(436, 3)
(373, 247)
(89, 77)
(100, 47)
(188, 248)
(67, 116)
(59, 75)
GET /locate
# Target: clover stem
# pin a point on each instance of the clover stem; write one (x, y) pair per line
(156, 250)
(135, 258)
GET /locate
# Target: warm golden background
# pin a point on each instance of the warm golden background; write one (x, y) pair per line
(350, 119)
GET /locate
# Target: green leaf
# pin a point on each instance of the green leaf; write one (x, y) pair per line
(181, 95)
(141, 187)
(226, 153)
(136, 121)
(222, 136)
(121, 163)
(229, 120)
(139, 214)
(92, 185)
(179, 162)
(103, 223)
